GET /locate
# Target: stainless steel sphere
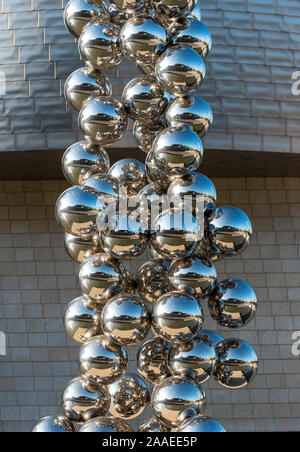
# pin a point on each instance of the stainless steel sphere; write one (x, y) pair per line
(82, 319)
(82, 160)
(149, 201)
(103, 120)
(177, 150)
(173, 8)
(180, 70)
(152, 280)
(155, 175)
(79, 249)
(126, 319)
(125, 237)
(106, 425)
(176, 235)
(192, 110)
(233, 303)
(152, 360)
(99, 45)
(82, 400)
(106, 187)
(101, 277)
(196, 187)
(152, 425)
(175, 398)
(144, 100)
(78, 13)
(177, 316)
(83, 83)
(77, 209)
(192, 33)
(229, 230)
(129, 396)
(193, 275)
(54, 424)
(102, 361)
(201, 424)
(143, 39)
(129, 5)
(212, 336)
(131, 175)
(236, 364)
(145, 134)
(195, 359)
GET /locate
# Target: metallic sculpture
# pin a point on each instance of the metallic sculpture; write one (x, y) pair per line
(112, 213)
(82, 400)
(129, 397)
(175, 399)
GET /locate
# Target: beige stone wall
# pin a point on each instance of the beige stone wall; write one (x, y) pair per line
(37, 280)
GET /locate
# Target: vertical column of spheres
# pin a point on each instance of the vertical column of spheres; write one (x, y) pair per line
(112, 213)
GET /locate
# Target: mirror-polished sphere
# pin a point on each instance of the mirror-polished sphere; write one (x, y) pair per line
(201, 424)
(143, 99)
(233, 303)
(152, 280)
(177, 150)
(77, 209)
(212, 336)
(152, 425)
(101, 277)
(131, 175)
(129, 396)
(103, 120)
(177, 316)
(236, 364)
(149, 200)
(143, 39)
(102, 361)
(106, 187)
(82, 320)
(190, 110)
(194, 359)
(145, 134)
(106, 425)
(155, 175)
(78, 13)
(125, 237)
(82, 160)
(54, 424)
(152, 360)
(128, 5)
(192, 33)
(194, 275)
(196, 187)
(79, 249)
(82, 400)
(176, 235)
(229, 230)
(180, 70)
(99, 45)
(173, 8)
(126, 319)
(174, 397)
(83, 83)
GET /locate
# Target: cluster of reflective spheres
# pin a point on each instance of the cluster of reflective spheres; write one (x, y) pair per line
(168, 42)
